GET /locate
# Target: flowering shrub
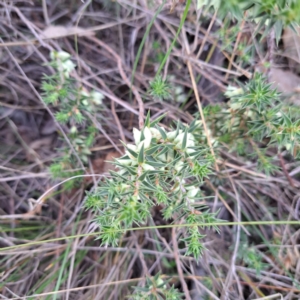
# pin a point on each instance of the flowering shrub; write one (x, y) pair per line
(161, 168)
(72, 104)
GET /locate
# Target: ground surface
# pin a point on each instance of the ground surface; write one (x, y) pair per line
(38, 215)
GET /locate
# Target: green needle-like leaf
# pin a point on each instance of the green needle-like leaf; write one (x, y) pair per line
(141, 155)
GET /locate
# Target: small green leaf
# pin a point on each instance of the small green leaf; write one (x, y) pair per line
(184, 140)
(131, 170)
(141, 155)
(147, 121)
(134, 154)
(162, 132)
(143, 176)
(146, 187)
(177, 128)
(278, 26)
(193, 126)
(156, 164)
(157, 120)
(174, 161)
(152, 150)
(117, 175)
(163, 151)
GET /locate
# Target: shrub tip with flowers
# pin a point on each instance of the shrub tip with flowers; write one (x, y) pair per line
(163, 168)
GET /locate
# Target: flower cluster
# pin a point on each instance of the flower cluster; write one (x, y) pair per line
(61, 91)
(72, 105)
(163, 168)
(156, 288)
(254, 120)
(63, 61)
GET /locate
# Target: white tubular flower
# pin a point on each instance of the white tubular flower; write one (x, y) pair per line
(155, 133)
(136, 136)
(235, 105)
(73, 129)
(146, 142)
(191, 137)
(193, 191)
(190, 140)
(233, 91)
(160, 282)
(148, 138)
(53, 55)
(84, 93)
(124, 162)
(121, 171)
(249, 113)
(170, 156)
(179, 139)
(132, 147)
(147, 167)
(124, 186)
(179, 93)
(181, 182)
(171, 135)
(68, 66)
(63, 55)
(97, 97)
(288, 146)
(139, 147)
(178, 90)
(85, 102)
(180, 98)
(214, 142)
(162, 157)
(190, 143)
(179, 166)
(209, 132)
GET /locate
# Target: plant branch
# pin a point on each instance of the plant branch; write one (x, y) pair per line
(178, 264)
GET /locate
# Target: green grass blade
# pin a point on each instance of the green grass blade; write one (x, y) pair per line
(188, 4)
(138, 55)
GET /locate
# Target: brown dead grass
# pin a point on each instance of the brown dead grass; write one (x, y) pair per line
(107, 35)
